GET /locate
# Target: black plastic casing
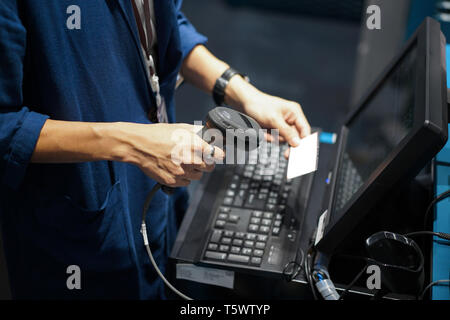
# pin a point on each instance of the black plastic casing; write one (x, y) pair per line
(425, 140)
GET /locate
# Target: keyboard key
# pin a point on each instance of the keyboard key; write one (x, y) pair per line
(277, 223)
(230, 193)
(212, 246)
(266, 222)
(255, 220)
(215, 255)
(233, 186)
(233, 218)
(255, 261)
(228, 201)
(237, 242)
(238, 258)
(222, 216)
(260, 245)
(258, 253)
(268, 215)
(257, 214)
(239, 235)
(264, 229)
(262, 238)
(228, 233)
(246, 251)
(253, 228)
(251, 236)
(226, 240)
(224, 209)
(262, 196)
(253, 202)
(235, 250)
(276, 231)
(224, 248)
(239, 199)
(215, 237)
(249, 243)
(220, 223)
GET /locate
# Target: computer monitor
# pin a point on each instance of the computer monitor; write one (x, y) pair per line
(396, 129)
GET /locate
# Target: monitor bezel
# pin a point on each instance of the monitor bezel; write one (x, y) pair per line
(425, 139)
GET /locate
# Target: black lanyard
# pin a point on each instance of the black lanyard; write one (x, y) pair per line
(145, 40)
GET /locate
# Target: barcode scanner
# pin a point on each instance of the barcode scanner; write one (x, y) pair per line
(225, 128)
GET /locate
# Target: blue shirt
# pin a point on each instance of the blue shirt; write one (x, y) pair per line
(87, 214)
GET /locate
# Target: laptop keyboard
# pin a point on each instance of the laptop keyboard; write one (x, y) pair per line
(252, 210)
(349, 182)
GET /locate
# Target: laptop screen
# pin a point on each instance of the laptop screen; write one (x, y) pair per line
(386, 118)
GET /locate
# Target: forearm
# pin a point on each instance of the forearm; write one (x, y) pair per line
(70, 141)
(202, 69)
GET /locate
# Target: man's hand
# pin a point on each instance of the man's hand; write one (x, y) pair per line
(202, 69)
(276, 113)
(172, 154)
(269, 111)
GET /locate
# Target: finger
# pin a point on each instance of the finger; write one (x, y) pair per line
(192, 174)
(204, 167)
(290, 133)
(268, 137)
(182, 183)
(212, 154)
(287, 153)
(302, 125)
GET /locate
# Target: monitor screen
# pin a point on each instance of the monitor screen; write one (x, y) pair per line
(386, 118)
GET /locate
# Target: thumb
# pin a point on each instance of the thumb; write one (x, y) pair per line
(289, 133)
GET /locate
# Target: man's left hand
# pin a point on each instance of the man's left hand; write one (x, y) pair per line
(277, 113)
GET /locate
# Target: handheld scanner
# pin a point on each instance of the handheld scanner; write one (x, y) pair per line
(233, 129)
(243, 130)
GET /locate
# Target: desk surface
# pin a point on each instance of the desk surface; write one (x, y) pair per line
(441, 252)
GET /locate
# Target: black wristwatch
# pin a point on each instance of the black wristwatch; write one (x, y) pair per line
(221, 84)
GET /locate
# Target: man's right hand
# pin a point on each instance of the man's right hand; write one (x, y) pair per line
(149, 146)
(172, 154)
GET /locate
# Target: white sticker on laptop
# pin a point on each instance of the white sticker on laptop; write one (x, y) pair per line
(320, 227)
(304, 158)
(211, 276)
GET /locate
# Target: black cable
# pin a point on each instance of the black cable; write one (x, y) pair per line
(441, 235)
(431, 285)
(308, 273)
(353, 282)
(439, 198)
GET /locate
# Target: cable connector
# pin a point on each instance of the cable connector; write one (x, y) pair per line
(327, 289)
(144, 233)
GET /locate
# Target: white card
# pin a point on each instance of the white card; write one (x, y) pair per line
(304, 158)
(217, 277)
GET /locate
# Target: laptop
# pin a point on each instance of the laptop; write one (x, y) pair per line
(251, 218)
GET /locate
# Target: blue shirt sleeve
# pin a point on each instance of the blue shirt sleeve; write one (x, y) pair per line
(188, 34)
(19, 127)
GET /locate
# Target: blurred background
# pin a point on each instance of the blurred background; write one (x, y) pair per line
(316, 52)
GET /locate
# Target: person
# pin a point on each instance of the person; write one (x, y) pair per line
(81, 143)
